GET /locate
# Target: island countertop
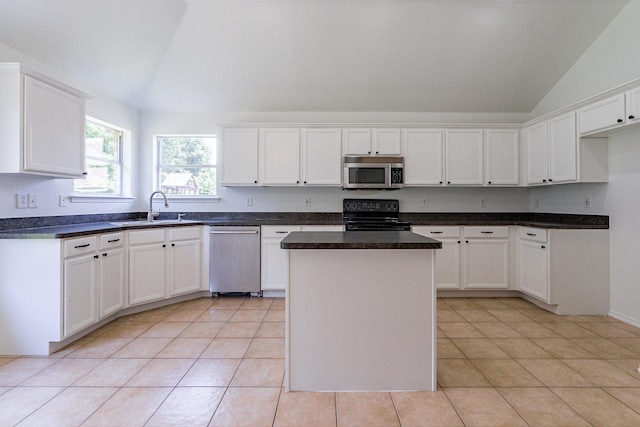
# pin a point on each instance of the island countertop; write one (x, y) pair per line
(358, 240)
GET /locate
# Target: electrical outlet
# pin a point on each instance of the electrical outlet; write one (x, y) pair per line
(425, 202)
(587, 202)
(306, 202)
(21, 200)
(32, 200)
(62, 201)
(483, 202)
(248, 201)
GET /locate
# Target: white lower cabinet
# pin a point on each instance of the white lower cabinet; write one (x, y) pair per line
(485, 258)
(163, 263)
(447, 271)
(112, 277)
(80, 284)
(274, 261)
(533, 257)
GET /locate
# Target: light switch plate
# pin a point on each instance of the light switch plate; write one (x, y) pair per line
(32, 200)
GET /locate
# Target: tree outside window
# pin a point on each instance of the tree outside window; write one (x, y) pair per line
(187, 165)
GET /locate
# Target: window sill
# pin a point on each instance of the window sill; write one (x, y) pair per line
(98, 198)
(193, 199)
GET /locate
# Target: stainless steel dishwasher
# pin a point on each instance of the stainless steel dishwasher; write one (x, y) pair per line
(234, 260)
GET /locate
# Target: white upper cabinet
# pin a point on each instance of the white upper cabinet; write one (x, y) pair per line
(423, 158)
(239, 155)
(322, 157)
(372, 142)
(551, 149)
(280, 156)
(502, 157)
(602, 114)
(464, 156)
(563, 145)
(535, 138)
(41, 125)
(633, 105)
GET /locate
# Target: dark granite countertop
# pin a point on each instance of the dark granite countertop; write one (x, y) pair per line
(58, 227)
(358, 240)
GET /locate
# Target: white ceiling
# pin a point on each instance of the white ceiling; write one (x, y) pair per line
(311, 55)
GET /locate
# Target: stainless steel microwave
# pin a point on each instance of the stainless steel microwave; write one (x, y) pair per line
(373, 172)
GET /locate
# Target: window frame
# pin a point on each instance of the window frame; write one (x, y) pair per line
(158, 166)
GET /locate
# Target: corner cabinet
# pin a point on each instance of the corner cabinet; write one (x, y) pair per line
(42, 125)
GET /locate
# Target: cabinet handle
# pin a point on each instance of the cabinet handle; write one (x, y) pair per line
(544, 180)
(104, 254)
(113, 241)
(436, 232)
(84, 173)
(543, 246)
(531, 234)
(620, 120)
(486, 232)
(86, 245)
(632, 117)
(95, 256)
(281, 232)
(550, 180)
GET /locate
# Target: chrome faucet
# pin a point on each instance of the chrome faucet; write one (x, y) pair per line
(150, 215)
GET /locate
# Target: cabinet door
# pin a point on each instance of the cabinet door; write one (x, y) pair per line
(486, 264)
(54, 122)
(184, 267)
(147, 273)
(80, 288)
(601, 115)
(422, 156)
(356, 141)
(633, 105)
(563, 145)
(111, 281)
(464, 156)
(239, 155)
(280, 156)
(536, 145)
(275, 265)
(447, 272)
(387, 142)
(534, 269)
(322, 157)
(502, 157)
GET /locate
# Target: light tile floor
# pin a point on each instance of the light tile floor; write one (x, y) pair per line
(220, 362)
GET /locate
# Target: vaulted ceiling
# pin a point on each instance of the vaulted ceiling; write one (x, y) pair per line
(311, 55)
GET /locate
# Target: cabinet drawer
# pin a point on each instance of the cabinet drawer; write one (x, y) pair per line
(146, 236)
(184, 233)
(111, 240)
(534, 234)
(277, 231)
(487, 232)
(437, 232)
(80, 246)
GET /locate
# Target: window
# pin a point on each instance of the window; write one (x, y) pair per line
(103, 160)
(187, 165)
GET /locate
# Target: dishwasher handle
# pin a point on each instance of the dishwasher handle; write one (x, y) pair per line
(233, 232)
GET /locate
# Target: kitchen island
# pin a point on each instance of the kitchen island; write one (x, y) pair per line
(360, 311)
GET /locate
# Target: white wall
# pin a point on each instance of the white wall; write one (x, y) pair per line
(48, 190)
(609, 62)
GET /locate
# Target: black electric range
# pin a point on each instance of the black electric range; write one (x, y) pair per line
(372, 214)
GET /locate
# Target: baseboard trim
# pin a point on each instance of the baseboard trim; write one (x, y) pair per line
(626, 319)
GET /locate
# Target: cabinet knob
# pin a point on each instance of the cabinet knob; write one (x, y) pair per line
(448, 182)
(84, 173)
(550, 180)
(104, 254)
(620, 120)
(95, 256)
(458, 241)
(440, 182)
(173, 244)
(632, 117)
(368, 152)
(305, 182)
(297, 182)
(544, 180)
(466, 241)
(489, 182)
(164, 246)
(377, 152)
(543, 246)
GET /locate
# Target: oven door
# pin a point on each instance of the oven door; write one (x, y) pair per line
(367, 175)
